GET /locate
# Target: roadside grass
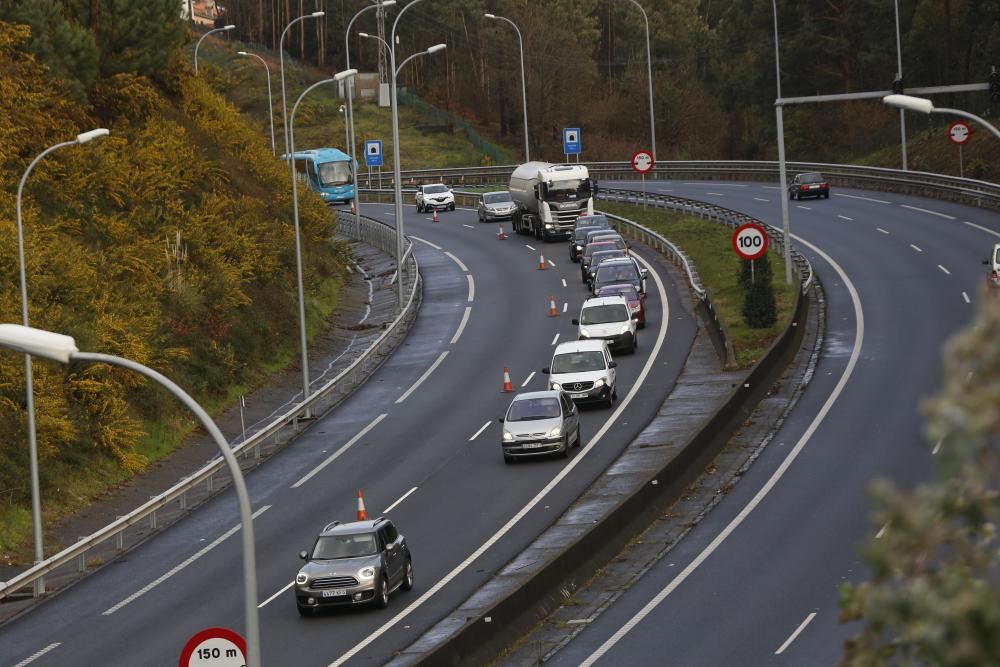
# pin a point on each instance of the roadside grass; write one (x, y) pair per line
(709, 246)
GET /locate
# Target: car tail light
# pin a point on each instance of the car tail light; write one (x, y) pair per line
(996, 276)
(803, 187)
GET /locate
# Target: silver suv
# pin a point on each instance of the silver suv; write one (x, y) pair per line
(495, 206)
(361, 562)
(435, 196)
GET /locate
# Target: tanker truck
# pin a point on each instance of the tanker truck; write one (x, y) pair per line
(550, 197)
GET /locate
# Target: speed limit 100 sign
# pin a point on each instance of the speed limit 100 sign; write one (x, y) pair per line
(750, 241)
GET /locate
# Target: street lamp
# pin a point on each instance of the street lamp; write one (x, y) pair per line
(524, 94)
(62, 349)
(198, 45)
(899, 77)
(340, 76)
(783, 179)
(351, 139)
(281, 56)
(649, 73)
(36, 504)
(923, 105)
(270, 111)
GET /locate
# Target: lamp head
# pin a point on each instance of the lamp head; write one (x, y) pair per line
(388, 3)
(436, 48)
(489, 16)
(346, 74)
(229, 27)
(93, 134)
(910, 103)
(37, 342)
(241, 53)
(318, 14)
(364, 34)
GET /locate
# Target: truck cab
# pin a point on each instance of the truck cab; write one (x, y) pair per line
(550, 198)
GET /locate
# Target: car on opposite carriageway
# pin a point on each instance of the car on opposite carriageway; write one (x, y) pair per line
(495, 206)
(809, 184)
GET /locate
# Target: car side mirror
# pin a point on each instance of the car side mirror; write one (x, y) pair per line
(304, 555)
(545, 371)
(643, 273)
(612, 364)
(575, 321)
(500, 419)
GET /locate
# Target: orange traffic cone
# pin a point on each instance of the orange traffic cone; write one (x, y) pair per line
(434, 218)
(541, 261)
(552, 307)
(362, 512)
(507, 385)
(500, 235)
(353, 210)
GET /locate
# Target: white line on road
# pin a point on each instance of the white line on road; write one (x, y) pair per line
(565, 305)
(791, 638)
(423, 377)
(333, 457)
(981, 228)
(472, 288)
(457, 261)
(159, 580)
(881, 531)
(881, 230)
(937, 447)
(761, 199)
(770, 483)
(877, 201)
(966, 297)
(35, 656)
(529, 247)
(844, 217)
(480, 431)
(554, 340)
(564, 282)
(804, 208)
(924, 210)
(469, 226)
(528, 379)
(524, 511)
(946, 271)
(553, 264)
(461, 326)
(426, 242)
(915, 248)
(275, 596)
(402, 498)
(717, 194)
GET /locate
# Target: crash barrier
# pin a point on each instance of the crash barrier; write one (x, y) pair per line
(129, 530)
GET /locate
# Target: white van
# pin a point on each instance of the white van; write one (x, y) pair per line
(610, 318)
(994, 263)
(585, 370)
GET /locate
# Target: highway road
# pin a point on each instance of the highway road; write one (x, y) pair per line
(421, 438)
(755, 583)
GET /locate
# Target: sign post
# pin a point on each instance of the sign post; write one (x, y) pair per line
(571, 142)
(750, 242)
(373, 158)
(214, 647)
(642, 163)
(959, 133)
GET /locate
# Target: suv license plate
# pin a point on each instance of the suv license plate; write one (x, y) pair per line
(335, 593)
(578, 396)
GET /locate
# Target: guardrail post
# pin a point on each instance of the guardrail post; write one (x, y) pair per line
(210, 483)
(152, 517)
(184, 501)
(81, 560)
(120, 539)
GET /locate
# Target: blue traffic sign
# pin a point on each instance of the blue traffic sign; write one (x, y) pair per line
(571, 140)
(373, 153)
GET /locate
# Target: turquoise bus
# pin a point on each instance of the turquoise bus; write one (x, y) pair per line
(327, 171)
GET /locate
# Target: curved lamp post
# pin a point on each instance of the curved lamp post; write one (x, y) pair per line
(351, 139)
(198, 45)
(36, 504)
(58, 347)
(270, 110)
(298, 243)
(281, 56)
(524, 93)
(782, 177)
(923, 105)
(649, 74)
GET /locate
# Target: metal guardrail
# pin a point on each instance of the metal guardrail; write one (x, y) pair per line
(277, 433)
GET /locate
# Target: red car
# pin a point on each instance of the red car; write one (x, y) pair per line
(636, 301)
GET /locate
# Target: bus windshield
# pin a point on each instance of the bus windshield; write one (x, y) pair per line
(334, 173)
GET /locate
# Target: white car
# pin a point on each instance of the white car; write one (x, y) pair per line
(585, 370)
(435, 196)
(609, 318)
(994, 263)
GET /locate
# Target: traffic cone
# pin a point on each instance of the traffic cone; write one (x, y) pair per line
(507, 385)
(500, 235)
(434, 218)
(552, 307)
(541, 261)
(362, 512)
(353, 210)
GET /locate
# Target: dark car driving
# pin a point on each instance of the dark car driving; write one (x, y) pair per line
(811, 184)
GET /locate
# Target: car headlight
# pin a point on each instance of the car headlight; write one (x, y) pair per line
(548, 226)
(556, 432)
(579, 247)
(556, 386)
(301, 578)
(508, 436)
(599, 383)
(366, 573)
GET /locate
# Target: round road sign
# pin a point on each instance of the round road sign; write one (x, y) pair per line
(750, 240)
(214, 647)
(959, 132)
(642, 161)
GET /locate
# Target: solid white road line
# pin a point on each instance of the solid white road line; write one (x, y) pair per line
(877, 201)
(915, 248)
(472, 288)
(275, 596)
(844, 217)
(469, 226)
(461, 326)
(769, 484)
(881, 230)
(333, 457)
(966, 297)
(159, 580)
(35, 656)
(402, 498)
(798, 630)
(946, 271)
(804, 208)
(420, 380)
(981, 228)
(480, 431)
(457, 261)
(563, 473)
(717, 194)
(554, 340)
(528, 379)
(881, 531)
(426, 242)
(924, 210)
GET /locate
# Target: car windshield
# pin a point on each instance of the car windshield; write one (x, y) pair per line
(497, 198)
(811, 178)
(434, 189)
(614, 312)
(527, 409)
(578, 362)
(334, 173)
(593, 221)
(344, 546)
(617, 273)
(605, 254)
(626, 290)
(565, 190)
(581, 233)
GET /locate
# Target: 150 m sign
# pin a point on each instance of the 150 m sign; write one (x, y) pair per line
(750, 240)
(214, 647)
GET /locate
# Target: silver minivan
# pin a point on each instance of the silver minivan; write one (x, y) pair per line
(540, 422)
